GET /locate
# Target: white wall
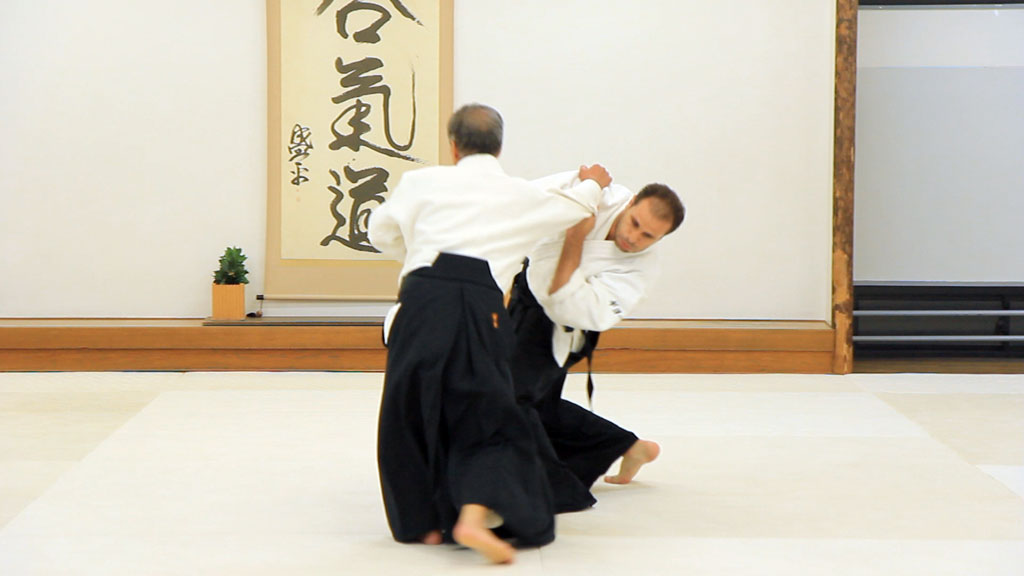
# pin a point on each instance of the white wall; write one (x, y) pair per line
(133, 141)
(730, 103)
(940, 145)
(132, 152)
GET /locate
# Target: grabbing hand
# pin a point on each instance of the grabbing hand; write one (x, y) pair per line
(597, 173)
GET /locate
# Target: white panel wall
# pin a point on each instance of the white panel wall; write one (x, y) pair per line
(132, 141)
(132, 152)
(730, 103)
(940, 145)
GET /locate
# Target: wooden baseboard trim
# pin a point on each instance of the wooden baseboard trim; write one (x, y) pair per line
(637, 347)
(709, 362)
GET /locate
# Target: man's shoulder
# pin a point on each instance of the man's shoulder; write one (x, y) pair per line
(427, 172)
(615, 198)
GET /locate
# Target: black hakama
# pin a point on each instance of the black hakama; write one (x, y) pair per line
(450, 432)
(586, 443)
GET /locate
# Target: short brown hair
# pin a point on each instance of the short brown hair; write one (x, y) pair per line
(669, 206)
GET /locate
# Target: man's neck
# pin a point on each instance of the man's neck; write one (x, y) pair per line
(615, 225)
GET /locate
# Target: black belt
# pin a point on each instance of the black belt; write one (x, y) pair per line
(589, 344)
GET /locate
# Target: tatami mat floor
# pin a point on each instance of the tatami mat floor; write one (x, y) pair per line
(274, 473)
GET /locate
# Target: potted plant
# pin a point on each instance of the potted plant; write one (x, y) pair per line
(229, 286)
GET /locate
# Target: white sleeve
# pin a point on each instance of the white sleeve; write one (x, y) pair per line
(385, 232)
(586, 195)
(558, 202)
(558, 180)
(596, 302)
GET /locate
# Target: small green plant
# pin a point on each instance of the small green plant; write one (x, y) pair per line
(232, 268)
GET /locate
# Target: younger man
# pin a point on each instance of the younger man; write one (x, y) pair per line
(575, 286)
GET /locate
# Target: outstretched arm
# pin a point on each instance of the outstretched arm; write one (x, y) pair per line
(566, 199)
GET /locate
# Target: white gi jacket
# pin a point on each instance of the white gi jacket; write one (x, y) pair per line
(608, 284)
(474, 209)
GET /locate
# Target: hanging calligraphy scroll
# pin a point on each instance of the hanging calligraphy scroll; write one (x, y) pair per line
(358, 92)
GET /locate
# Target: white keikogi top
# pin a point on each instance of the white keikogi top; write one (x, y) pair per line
(605, 288)
(474, 209)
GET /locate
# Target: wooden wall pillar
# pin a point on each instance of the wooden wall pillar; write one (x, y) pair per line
(842, 185)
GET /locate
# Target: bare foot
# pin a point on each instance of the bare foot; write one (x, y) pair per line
(471, 531)
(433, 538)
(640, 453)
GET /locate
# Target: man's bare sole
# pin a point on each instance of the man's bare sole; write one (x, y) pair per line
(640, 453)
(471, 531)
(432, 538)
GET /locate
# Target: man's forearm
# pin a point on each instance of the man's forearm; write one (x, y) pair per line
(569, 261)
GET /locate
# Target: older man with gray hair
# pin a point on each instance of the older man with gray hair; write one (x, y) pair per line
(456, 454)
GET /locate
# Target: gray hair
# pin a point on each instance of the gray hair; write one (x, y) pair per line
(476, 129)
